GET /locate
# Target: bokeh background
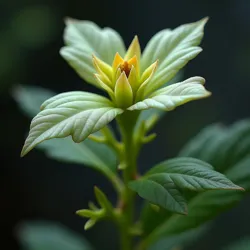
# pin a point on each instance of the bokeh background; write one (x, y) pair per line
(36, 188)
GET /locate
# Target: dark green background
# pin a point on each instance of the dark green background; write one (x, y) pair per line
(30, 38)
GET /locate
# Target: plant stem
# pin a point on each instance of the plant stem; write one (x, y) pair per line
(127, 122)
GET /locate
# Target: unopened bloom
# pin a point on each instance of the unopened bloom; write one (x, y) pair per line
(133, 81)
(123, 80)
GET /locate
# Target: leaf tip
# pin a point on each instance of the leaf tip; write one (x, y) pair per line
(96, 189)
(240, 188)
(204, 20)
(68, 20)
(23, 152)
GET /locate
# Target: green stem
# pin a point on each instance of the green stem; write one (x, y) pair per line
(127, 122)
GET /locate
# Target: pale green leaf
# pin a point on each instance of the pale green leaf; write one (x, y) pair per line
(88, 152)
(41, 235)
(77, 113)
(162, 185)
(173, 49)
(80, 60)
(150, 113)
(174, 95)
(84, 39)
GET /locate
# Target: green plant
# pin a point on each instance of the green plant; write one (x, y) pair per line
(135, 83)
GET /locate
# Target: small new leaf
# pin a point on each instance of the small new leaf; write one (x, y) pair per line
(103, 200)
(164, 183)
(89, 224)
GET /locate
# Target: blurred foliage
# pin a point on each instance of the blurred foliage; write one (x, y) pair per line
(242, 244)
(42, 235)
(27, 28)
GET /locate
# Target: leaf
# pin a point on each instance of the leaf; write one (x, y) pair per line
(173, 49)
(180, 240)
(41, 235)
(30, 98)
(205, 206)
(84, 39)
(199, 145)
(163, 184)
(89, 153)
(73, 113)
(170, 97)
(242, 244)
(214, 144)
(221, 146)
(150, 113)
(202, 208)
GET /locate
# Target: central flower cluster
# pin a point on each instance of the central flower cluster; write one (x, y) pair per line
(123, 80)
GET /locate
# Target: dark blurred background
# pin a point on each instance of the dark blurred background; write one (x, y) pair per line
(30, 38)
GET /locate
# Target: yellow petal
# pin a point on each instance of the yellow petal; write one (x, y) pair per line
(117, 61)
(123, 92)
(102, 67)
(134, 49)
(134, 61)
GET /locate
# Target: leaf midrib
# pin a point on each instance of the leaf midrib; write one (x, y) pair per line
(200, 178)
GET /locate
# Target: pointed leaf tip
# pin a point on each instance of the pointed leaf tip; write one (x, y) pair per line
(89, 224)
(134, 49)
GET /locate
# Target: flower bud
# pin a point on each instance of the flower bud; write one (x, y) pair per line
(123, 92)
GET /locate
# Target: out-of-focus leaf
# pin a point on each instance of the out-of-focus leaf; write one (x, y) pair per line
(242, 244)
(40, 235)
(180, 240)
(92, 154)
(221, 146)
(87, 152)
(30, 98)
